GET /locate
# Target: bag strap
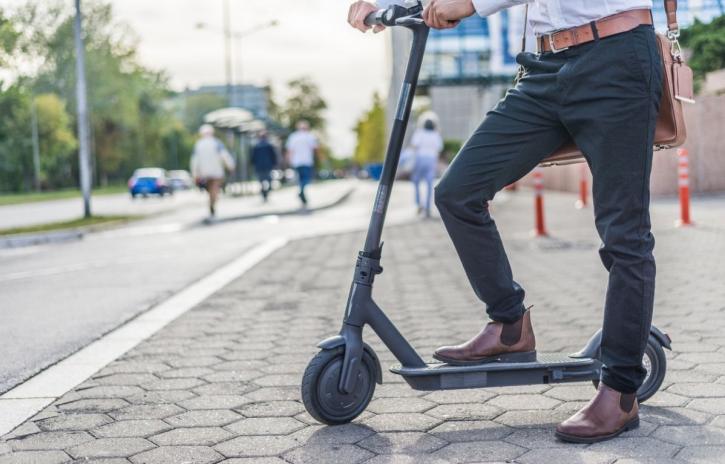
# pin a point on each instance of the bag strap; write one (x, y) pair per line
(671, 11)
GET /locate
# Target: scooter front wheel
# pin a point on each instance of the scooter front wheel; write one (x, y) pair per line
(321, 395)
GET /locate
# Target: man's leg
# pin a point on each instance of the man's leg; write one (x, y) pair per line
(611, 110)
(617, 132)
(304, 173)
(522, 130)
(511, 141)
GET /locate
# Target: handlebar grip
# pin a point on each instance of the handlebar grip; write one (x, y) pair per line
(375, 18)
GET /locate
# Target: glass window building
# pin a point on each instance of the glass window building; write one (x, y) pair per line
(481, 50)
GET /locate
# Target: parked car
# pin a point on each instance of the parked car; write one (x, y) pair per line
(149, 181)
(180, 179)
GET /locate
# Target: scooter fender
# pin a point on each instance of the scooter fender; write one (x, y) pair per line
(338, 340)
(591, 349)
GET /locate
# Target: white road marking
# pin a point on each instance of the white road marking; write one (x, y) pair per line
(26, 399)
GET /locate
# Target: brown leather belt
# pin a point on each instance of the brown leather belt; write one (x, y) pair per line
(621, 22)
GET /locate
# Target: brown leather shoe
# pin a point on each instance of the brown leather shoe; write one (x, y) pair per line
(496, 342)
(607, 415)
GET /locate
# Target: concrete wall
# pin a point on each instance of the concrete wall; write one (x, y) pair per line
(705, 143)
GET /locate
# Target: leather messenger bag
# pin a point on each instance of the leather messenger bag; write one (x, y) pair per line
(678, 89)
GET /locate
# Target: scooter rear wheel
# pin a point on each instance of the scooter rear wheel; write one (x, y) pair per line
(321, 395)
(655, 363)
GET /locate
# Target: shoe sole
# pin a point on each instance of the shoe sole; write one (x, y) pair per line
(522, 357)
(631, 425)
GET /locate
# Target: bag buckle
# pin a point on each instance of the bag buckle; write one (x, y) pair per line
(552, 46)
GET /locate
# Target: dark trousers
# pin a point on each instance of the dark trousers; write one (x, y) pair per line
(304, 177)
(605, 95)
(265, 181)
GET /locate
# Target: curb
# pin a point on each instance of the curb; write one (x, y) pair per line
(24, 240)
(288, 212)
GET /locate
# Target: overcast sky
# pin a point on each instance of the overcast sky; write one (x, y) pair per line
(312, 39)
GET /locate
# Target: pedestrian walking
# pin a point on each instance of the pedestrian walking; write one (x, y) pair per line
(596, 80)
(426, 145)
(301, 148)
(264, 159)
(209, 164)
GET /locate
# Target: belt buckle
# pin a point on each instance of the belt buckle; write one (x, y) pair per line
(553, 47)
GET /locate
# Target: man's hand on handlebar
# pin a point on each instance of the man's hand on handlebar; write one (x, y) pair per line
(357, 14)
(446, 14)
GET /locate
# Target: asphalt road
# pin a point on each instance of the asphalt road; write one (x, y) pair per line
(55, 299)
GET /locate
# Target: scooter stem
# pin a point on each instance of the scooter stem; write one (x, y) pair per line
(397, 135)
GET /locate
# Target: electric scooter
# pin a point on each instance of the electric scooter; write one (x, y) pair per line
(339, 381)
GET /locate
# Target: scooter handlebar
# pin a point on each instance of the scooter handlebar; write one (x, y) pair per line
(395, 15)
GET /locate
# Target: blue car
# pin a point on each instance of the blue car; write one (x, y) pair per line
(149, 181)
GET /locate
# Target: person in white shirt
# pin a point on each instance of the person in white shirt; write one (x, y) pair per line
(209, 162)
(301, 148)
(595, 81)
(426, 145)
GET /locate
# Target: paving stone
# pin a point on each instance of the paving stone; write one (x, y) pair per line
(405, 459)
(470, 430)
(124, 379)
(226, 388)
(708, 405)
(673, 416)
(701, 454)
(571, 392)
(268, 445)
(204, 418)
(401, 422)
(272, 408)
(701, 390)
(146, 411)
(132, 428)
(50, 440)
(266, 426)
(567, 455)
(464, 411)
(215, 402)
(479, 451)
(402, 443)
(638, 447)
(93, 405)
(110, 447)
(339, 434)
(205, 436)
(178, 455)
(173, 384)
(687, 435)
(327, 454)
(514, 402)
(537, 438)
(110, 391)
(532, 418)
(458, 396)
(35, 457)
(277, 393)
(257, 460)
(184, 372)
(160, 397)
(384, 405)
(73, 422)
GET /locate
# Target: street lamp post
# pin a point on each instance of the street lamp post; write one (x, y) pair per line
(82, 103)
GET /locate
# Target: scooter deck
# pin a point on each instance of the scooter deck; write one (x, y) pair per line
(548, 368)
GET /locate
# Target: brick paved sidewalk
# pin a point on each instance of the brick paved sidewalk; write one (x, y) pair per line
(221, 384)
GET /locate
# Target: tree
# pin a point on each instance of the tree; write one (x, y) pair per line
(8, 38)
(57, 141)
(370, 130)
(16, 156)
(707, 42)
(196, 106)
(305, 102)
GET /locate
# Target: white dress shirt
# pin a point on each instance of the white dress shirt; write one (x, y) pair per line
(301, 146)
(552, 15)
